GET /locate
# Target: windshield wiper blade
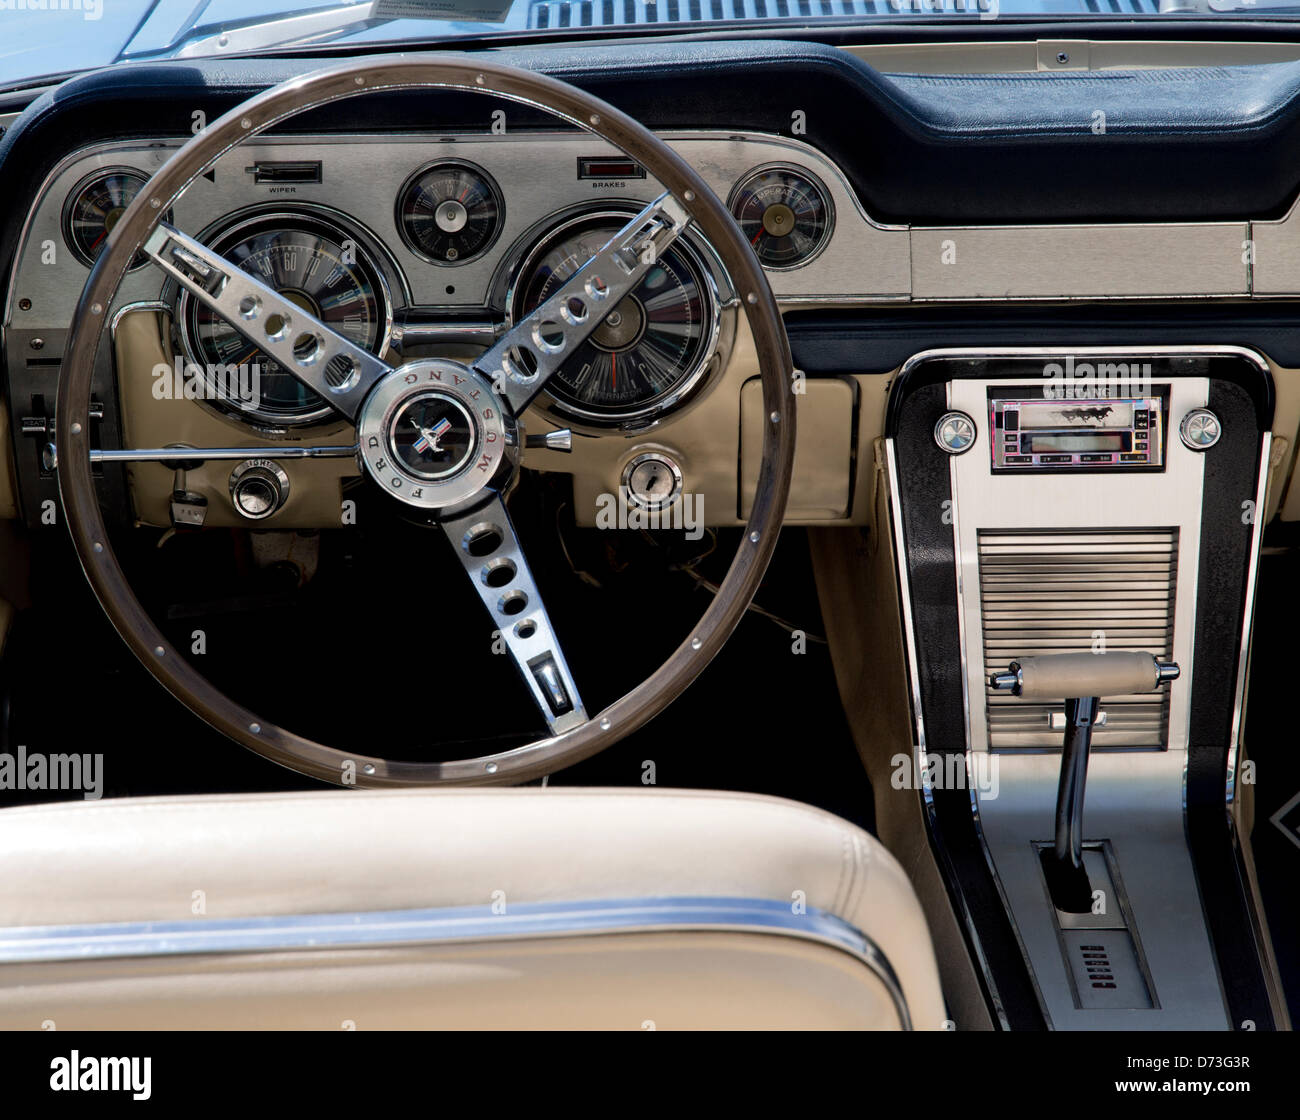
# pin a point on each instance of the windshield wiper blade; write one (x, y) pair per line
(159, 35)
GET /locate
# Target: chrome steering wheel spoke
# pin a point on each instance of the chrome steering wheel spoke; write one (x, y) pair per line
(526, 356)
(338, 370)
(220, 454)
(488, 547)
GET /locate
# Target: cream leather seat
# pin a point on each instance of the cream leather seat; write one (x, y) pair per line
(547, 908)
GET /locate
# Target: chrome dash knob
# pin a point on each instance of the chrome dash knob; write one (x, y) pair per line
(955, 432)
(1200, 429)
(258, 487)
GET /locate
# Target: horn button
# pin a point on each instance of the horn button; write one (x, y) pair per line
(434, 435)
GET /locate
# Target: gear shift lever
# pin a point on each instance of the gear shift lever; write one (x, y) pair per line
(1081, 679)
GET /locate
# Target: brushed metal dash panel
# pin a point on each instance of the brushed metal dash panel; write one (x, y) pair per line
(1077, 262)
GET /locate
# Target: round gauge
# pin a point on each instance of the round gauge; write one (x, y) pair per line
(785, 212)
(93, 209)
(450, 212)
(652, 346)
(303, 258)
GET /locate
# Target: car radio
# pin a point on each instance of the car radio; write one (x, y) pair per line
(1034, 432)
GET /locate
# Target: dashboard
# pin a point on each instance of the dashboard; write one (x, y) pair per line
(950, 251)
(430, 242)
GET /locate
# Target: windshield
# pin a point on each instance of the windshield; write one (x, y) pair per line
(42, 38)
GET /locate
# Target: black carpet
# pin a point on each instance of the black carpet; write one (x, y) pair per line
(387, 650)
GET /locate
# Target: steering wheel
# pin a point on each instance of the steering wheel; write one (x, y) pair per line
(460, 486)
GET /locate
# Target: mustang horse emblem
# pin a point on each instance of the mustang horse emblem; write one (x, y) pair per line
(429, 437)
(1097, 414)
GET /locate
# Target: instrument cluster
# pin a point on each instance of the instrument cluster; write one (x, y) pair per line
(651, 354)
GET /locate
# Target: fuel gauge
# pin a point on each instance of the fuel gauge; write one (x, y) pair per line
(93, 209)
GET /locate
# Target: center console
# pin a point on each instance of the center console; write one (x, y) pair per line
(1047, 502)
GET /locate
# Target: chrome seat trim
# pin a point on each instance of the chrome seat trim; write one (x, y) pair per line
(444, 925)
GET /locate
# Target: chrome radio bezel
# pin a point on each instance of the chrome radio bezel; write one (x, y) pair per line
(1142, 442)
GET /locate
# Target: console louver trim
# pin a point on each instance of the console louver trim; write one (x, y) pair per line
(1055, 592)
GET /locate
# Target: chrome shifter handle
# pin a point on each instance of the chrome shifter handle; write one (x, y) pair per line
(1080, 679)
(1060, 676)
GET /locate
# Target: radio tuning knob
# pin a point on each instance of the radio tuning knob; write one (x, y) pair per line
(1200, 429)
(955, 432)
(258, 487)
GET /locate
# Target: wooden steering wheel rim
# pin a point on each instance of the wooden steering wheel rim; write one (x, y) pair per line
(72, 427)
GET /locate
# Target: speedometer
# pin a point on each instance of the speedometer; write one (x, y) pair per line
(317, 267)
(650, 349)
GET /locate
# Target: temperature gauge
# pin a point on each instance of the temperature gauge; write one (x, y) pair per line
(786, 214)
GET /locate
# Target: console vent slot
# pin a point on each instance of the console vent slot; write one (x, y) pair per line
(1055, 592)
(1107, 972)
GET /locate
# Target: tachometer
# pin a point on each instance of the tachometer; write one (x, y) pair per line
(450, 212)
(786, 214)
(93, 209)
(318, 267)
(652, 346)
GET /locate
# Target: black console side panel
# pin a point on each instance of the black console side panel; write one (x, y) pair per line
(927, 538)
(1231, 476)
